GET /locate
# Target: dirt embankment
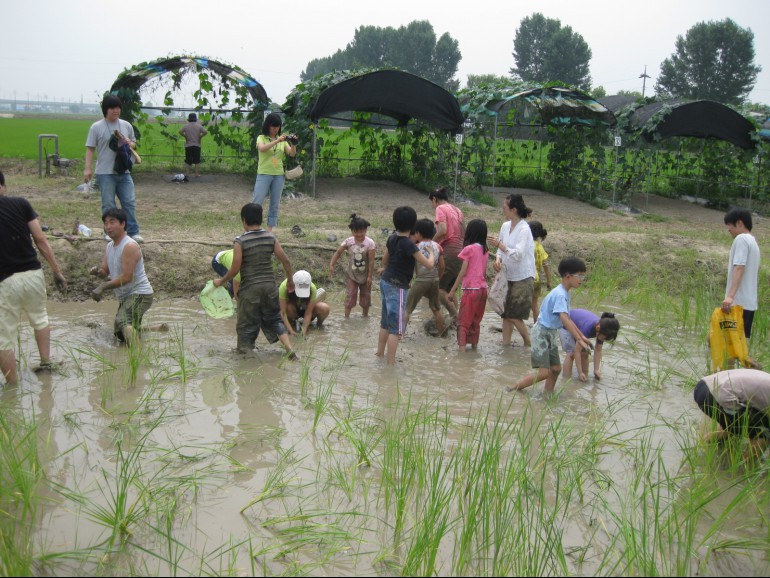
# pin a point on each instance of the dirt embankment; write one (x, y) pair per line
(184, 225)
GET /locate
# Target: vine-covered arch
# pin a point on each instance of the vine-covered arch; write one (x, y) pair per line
(230, 101)
(130, 81)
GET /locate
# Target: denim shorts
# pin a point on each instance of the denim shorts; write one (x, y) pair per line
(393, 307)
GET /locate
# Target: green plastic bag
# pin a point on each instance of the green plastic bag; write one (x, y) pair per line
(216, 301)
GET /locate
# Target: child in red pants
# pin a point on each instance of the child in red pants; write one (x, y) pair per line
(473, 279)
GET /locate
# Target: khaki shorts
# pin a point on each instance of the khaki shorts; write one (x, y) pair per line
(544, 350)
(518, 300)
(130, 312)
(452, 266)
(21, 292)
(420, 289)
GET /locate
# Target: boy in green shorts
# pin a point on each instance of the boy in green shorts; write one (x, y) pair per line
(554, 315)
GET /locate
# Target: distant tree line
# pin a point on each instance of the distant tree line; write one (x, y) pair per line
(713, 60)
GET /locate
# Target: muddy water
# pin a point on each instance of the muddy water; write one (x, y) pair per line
(217, 428)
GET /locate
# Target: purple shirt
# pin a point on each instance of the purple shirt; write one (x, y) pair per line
(585, 321)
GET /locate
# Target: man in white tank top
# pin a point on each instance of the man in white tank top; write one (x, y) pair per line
(123, 264)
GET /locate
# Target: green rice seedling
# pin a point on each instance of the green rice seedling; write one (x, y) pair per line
(278, 479)
(90, 353)
(323, 396)
(106, 368)
(304, 380)
(433, 518)
(316, 532)
(178, 353)
(697, 305)
(74, 360)
(21, 475)
(478, 456)
(409, 438)
(223, 560)
(124, 498)
(136, 355)
(342, 475)
(174, 552)
(526, 524)
(657, 522)
(359, 428)
(364, 437)
(322, 401)
(125, 492)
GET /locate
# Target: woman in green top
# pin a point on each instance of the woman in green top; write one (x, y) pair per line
(272, 148)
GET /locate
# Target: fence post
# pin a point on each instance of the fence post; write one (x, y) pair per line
(618, 141)
(494, 156)
(314, 156)
(459, 141)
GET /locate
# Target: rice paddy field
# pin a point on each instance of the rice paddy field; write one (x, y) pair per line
(180, 457)
(183, 458)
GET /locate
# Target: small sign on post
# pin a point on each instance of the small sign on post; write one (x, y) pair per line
(618, 141)
(459, 138)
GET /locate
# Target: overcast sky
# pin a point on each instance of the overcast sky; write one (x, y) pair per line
(65, 50)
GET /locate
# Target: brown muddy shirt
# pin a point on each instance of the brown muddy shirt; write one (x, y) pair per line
(739, 388)
(192, 133)
(257, 263)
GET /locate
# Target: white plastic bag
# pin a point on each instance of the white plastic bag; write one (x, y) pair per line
(498, 291)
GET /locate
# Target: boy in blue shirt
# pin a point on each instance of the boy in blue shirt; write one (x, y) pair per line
(554, 315)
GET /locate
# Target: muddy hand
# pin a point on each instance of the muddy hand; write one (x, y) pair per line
(98, 293)
(61, 282)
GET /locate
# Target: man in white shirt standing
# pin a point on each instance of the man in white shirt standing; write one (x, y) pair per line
(123, 264)
(112, 183)
(743, 268)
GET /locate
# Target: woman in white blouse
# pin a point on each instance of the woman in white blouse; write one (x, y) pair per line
(516, 252)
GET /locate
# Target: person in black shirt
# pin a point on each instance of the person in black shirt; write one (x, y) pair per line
(22, 284)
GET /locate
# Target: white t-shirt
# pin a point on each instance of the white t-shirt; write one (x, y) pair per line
(745, 251)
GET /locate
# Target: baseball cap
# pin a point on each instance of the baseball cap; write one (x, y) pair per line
(302, 283)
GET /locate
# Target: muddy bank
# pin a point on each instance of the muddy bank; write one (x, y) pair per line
(184, 225)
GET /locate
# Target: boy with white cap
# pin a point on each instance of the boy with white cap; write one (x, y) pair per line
(305, 303)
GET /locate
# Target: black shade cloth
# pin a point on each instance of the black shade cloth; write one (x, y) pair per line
(399, 95)
(699, 119)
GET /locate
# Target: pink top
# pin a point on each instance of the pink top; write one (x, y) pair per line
(476, 274)
(453, 217)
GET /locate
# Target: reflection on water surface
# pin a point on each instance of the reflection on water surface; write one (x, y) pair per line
(213, 462)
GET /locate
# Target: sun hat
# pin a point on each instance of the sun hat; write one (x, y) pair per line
(216, 301)
(302, 284)
(192, 117)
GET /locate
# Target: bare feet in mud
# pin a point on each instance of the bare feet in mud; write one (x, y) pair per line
(48, 365)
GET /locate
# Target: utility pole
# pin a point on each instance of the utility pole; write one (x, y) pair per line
(644, 76)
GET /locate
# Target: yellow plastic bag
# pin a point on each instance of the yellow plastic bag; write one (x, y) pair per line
(727, 339)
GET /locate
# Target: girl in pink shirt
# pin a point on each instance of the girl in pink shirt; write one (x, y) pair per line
(473, 279)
